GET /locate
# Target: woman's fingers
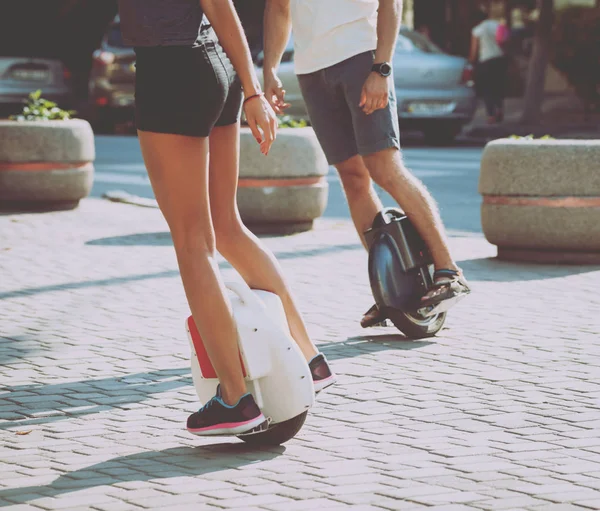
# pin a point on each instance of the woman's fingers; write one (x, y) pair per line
(254, 129)
(262, 122)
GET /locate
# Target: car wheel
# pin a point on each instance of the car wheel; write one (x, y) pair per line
(439, 135)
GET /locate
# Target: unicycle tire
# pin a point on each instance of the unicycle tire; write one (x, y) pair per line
(415, 326)
(277, 434)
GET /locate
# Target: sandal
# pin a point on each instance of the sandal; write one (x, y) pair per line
(373, 317)
(449, 287)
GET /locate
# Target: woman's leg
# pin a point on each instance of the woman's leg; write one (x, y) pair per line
(253, 261)
(487, 89)
(178, 170)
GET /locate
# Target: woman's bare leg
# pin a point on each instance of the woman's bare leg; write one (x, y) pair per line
(178, 170)
(253, 261)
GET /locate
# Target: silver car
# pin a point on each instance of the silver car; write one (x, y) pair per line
(19, 76)
(435, 90)
(112, 81)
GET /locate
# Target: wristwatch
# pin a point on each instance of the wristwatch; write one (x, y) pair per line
(383, 68)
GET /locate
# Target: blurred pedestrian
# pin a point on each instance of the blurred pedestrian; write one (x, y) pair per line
(489, 59)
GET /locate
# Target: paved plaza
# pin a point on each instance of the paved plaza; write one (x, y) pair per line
(500, 411)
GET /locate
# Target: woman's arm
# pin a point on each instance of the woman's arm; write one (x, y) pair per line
(474, 49)
(259, 115)
(224, 19)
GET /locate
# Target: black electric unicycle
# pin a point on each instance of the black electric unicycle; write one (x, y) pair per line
(400, 273)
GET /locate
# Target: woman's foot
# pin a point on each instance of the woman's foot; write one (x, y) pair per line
(217, 418)
(322, 374)
(449, 287)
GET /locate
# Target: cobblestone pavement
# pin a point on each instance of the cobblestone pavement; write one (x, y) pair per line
(499, 411)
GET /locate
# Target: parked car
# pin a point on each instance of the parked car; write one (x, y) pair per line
(112, 81)
(19, 76)
(434, 90)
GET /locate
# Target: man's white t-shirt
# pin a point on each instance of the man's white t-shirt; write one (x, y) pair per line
(327, 32)
(486, 33)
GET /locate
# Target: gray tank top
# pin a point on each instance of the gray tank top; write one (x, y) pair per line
(160, 22)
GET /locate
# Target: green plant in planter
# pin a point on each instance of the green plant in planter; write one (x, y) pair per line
(530, 137)
(39, 109)
(287, 121)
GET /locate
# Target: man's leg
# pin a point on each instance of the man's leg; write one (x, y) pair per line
(363, 201)
(378, 141)
(331, 119)
(388, 171)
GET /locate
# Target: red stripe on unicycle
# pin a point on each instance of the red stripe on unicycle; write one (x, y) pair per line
(206, 367)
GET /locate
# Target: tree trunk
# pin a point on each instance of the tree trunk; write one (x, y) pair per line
(536, 77)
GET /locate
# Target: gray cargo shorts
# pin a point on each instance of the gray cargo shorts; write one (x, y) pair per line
(332, 96)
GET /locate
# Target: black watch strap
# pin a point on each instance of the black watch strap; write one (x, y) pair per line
(383, 68)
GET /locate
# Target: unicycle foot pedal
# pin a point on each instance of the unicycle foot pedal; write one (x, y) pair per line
(258, 429)
(443, 306)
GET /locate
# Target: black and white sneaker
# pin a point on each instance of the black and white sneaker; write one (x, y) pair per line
(216, 418)
(322, 374)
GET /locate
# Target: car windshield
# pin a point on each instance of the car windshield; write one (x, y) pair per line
(114, 37)
(409, 41)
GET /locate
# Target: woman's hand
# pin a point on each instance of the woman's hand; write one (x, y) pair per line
(262, 121)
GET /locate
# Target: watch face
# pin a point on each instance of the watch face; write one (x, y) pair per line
(386, 69)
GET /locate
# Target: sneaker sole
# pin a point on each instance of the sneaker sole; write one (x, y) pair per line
(323, 384)
(233, 429)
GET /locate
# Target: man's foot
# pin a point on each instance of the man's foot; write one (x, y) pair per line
(216, 418)
(322, 374)
(373, 317)
(448, 289)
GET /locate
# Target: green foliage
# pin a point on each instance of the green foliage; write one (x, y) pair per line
(576, 50)
(289, 122)
(530, 137)
(39, 109)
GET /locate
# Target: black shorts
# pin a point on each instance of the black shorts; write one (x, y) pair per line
(186, 90)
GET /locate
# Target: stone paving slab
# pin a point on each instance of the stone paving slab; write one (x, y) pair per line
(499, 411)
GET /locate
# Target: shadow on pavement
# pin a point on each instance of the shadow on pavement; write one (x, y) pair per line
(16, 348)
(146, 466)
(164, 239)
(495, 270)
(155, 239)
(163, 274)
(64, 399)
(88, 283)
(373, 343)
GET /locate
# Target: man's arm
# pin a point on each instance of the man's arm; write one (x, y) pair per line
(277, 27)
(376, 88)
(389, 18)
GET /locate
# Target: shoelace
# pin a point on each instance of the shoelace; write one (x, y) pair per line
(208, 404)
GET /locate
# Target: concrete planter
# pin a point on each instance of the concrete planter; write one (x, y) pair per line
(45, 163)
(541, 199)
(286, 190)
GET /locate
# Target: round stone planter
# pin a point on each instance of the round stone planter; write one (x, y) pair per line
(45, 164)
(287, 190)
(541, 199)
